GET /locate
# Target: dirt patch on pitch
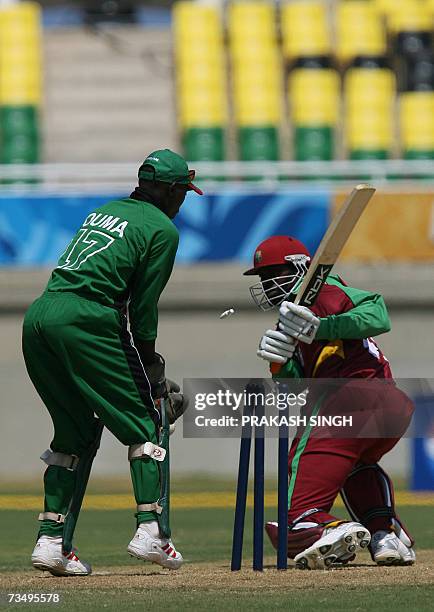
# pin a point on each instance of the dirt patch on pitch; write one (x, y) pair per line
(217, 576)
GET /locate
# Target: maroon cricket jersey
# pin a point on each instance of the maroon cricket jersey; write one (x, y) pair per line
(343, 346)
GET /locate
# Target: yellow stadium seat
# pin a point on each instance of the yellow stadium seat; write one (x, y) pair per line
(314, 96)
(252, 14)
(430, 7)
(208, 82)
(417, 120)
(365, 132)
(21, 72)
(210, 55)
(256, 60)
(199, 65)
(201, 72)
(255, 64)
(369, 140)
(21, 12)
(194, 16)
(20, 55)
(370, 88)
(11, 95)
(25, 34)
(257, 96)
(370, 79)
(384, 7)
(252, 46)
(323, 111)
(266, 80)
(263, 113)
(196, 25)
(305, 29)
(307, 81)
(251, 21)
(410, 16)
(359, 30)
(318, 86)
(260, 31)
(205, 116)
(203, 103)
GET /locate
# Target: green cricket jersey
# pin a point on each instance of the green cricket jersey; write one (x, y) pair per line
(124, 250)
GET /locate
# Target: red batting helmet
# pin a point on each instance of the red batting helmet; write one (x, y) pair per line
(276, 251)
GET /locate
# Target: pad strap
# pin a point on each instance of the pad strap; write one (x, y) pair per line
(69, 462)
(147, 449)
(154, 507)
(51, 516)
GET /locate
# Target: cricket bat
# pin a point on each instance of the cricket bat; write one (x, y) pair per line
(332, 244)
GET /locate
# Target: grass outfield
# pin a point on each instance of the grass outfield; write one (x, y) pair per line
(203, 533)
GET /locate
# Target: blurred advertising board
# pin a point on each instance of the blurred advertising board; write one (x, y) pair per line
(34, 229)
(394, 227)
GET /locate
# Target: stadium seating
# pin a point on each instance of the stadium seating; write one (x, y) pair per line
(200, 80)
(314, 98)
(20, 82)
(417, 124)
(305, 29)
(377, 49)
(359, 30)
(369, 94)
(256, 79)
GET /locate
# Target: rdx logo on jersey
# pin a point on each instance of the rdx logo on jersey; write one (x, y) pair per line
(112, 224)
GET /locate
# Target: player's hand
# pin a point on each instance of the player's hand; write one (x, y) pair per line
(276, 346)
(177, 404)
(298, 322)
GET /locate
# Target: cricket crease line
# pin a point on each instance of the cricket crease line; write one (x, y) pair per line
(185, 501)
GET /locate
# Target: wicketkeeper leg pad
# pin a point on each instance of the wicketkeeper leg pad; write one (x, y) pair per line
(146, 449)
(69, 462)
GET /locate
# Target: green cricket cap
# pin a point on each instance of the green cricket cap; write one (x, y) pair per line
(168, 167)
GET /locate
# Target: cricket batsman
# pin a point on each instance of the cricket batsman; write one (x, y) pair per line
(333, 339)
(93, 369)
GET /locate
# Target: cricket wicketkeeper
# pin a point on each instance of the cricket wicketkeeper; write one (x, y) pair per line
(92, 370)
(332, 340)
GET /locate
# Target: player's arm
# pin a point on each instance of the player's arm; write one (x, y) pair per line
(151, 277)
(290, 369)
(368, 317)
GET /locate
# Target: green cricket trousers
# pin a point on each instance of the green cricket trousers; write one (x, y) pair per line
(81, 360)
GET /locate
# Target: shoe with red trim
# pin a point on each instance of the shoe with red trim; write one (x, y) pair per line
(48, 556)
(148, 545)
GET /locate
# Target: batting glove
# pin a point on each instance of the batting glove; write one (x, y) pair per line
(276, 347)
(298, 322)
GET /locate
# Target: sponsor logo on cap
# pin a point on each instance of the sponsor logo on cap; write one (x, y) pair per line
(157, 159)
(258, 256)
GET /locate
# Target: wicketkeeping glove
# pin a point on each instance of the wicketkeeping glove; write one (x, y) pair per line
(162, 388)
(276, 346)
(177, 402)
(298, 322)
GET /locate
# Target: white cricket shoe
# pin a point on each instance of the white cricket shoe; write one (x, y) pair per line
(336, 545)
(388, 549)
(148, 545)
(48, 556)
